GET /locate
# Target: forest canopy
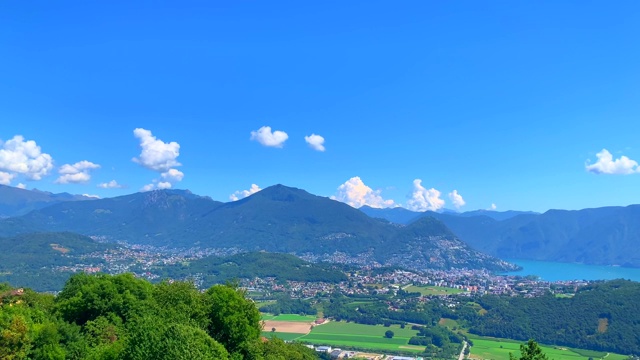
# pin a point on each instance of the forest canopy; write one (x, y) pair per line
(120, 317)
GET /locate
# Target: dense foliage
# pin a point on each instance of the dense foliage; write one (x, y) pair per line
(286, 305)
(603, 317)
(216, 270)
(124, 318)
(378, 312)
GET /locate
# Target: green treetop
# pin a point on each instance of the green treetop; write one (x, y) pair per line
(530, 351)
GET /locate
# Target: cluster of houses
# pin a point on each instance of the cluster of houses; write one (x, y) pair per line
(468, 281)
(336, 353)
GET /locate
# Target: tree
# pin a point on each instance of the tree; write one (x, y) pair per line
(14, 340)
(530, 351)
(388, 334)
(181, 302)
(235, 322)
(276, 349)
(86, 297)
(152, 338)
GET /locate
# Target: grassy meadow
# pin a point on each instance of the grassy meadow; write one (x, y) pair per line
(362, 336)
(282, 335)
(499, 349)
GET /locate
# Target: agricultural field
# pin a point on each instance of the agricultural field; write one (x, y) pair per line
(287, 326)
(433, 290)
(499, 349)
(362, 336)
(282, 335)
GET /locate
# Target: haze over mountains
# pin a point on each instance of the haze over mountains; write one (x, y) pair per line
(276, 219)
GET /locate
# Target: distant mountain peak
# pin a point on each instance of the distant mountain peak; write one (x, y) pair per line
(281, 192)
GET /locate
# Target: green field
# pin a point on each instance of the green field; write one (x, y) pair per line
(433, 290)
(499, 349)
(448, 323)
(362, 336)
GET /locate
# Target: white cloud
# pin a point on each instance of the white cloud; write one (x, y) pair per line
(172, 176)
(422, 199)
(80, 166)
(607, 165)
(110, 185)
(164, 185)
(148, 187)
(493, 207)
(241, 194)
(156, 154)
(77, 178)
(91, 196)
(76, 173)
(355, 193)
(315, 142)
(156, 185)
(21, 186)
(5, 178)
(267, 138)
(25, 158)
(456, 199)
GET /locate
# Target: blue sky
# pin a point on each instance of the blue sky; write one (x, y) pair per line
(505, 102)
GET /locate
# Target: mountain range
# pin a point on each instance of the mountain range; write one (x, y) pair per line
(404, 216)
(600, 236)
(289, 220)
(276, 219)
(15, 201)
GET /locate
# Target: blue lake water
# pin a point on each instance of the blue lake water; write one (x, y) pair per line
(556, 271)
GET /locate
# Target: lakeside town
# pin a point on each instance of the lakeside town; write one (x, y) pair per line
(145, 260)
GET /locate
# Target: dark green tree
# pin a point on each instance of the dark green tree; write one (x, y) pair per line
(388, 334)
(530, 351)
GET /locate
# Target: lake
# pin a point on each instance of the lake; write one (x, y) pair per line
(556, 271)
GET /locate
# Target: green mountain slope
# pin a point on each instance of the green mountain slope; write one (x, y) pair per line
(151, 217)
(276, 219)
(601, 236)
(28, 259)
(603, 317)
